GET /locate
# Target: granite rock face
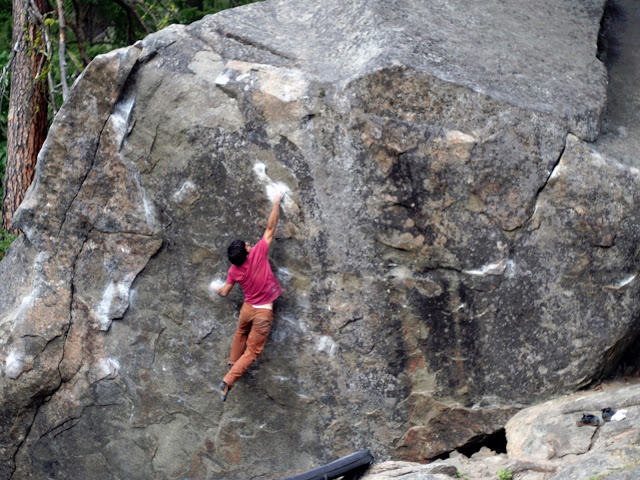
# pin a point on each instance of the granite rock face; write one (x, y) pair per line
(451, 248)
(549, 435)
(545, 442)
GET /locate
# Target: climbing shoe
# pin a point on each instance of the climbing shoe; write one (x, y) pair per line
(588, 419)
(224, 391)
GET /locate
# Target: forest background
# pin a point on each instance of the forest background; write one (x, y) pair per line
(67, 35)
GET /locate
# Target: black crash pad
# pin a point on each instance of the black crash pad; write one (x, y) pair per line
(351, 467)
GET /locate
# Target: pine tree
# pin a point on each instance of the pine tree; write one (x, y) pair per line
(27, 119)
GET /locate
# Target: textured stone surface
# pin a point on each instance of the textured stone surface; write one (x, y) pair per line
(449, 246)
(435, 428)
(620, 133)
(544, 443)
(411, 471)
(547, 434)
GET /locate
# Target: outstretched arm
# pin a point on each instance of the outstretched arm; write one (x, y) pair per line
(224, 290)
(273, 219)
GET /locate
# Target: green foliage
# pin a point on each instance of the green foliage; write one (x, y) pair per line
(5, 240)
(504, 474)
(5, 25)
(185, 13)
(106, 25)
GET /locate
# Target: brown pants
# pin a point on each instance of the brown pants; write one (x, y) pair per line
(253, 329)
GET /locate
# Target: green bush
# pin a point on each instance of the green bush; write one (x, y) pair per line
(5, 240)
(505, 474)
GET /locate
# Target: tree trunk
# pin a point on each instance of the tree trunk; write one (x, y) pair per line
(62, 22)
(130, 8)
(27, 119)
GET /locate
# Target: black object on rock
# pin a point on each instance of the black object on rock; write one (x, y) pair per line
(607, 413)
(351, 467)
(588, 419)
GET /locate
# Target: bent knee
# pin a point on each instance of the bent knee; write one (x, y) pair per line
(251, 353)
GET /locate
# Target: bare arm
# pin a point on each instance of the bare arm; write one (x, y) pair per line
(273, 219)
(224, 291)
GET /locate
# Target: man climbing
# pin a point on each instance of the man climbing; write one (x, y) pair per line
(250, 268)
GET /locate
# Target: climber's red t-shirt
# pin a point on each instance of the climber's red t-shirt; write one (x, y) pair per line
(255, 277)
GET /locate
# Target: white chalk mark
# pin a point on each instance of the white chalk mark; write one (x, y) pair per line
(298, 323)
(457, 137)
(115, 300)
(187, 190)
(26, 303)
(242, 76)
(14, 365)
(261, 171)
(104, 307)
(622, 283)
(401, 273)
(224, 77)
(148, 211)
(275, 189)
(285, 271)
(133, 294)
(510, 271)
(109, 367)
(326, 344)
(496, 268)
(272, 188)
(122, 112)
(120, 118)
(557, 171)
(216, 285)
(627, 281)
(284, 275)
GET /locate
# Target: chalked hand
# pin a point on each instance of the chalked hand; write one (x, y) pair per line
(216, 285)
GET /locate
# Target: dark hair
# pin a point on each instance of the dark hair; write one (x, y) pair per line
(237, 252)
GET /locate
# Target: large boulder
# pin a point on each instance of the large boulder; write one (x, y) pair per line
(548, 442)
(451, 247)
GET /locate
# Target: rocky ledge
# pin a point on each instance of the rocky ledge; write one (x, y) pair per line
(549, 442)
